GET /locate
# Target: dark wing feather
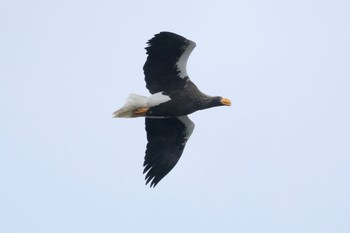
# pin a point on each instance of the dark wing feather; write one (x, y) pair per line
(164, 51)
(167, 138)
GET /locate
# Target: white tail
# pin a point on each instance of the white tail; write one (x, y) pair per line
(134, 102)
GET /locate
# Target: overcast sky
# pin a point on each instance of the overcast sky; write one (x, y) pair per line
(277, 160)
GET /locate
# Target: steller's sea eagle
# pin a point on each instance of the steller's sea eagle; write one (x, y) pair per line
(174, 96)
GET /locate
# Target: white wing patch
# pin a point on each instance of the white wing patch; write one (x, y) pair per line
(156, 99)
(134, 102)
(181, 64)
(189, 127)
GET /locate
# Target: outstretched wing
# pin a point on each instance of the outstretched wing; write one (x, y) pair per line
(167, 138)
(165, 67)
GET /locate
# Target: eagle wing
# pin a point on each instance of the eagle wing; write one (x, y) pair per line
(167, 138)
(165, 67)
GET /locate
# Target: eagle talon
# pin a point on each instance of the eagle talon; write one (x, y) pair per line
(140, 111)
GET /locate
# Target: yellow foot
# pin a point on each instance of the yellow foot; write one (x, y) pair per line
(140, 111)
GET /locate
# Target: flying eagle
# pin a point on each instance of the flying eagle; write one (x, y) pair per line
(174, 96)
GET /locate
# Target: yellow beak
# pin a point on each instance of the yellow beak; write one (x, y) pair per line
(225, 101)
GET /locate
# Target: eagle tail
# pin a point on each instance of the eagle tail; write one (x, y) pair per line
(133, 102)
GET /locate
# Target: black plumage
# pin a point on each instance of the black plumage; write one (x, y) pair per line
(166, 141)
(161, 73)
(174, 96)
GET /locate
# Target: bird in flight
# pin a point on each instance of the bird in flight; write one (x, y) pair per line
(173, 97)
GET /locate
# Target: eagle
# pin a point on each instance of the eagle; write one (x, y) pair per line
(173, 97)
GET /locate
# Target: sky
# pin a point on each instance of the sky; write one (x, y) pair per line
(277, 160)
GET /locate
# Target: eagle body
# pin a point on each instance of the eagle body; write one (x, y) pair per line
(171, 108)
(173, 97)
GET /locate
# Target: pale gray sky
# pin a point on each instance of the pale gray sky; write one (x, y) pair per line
(277, 161)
